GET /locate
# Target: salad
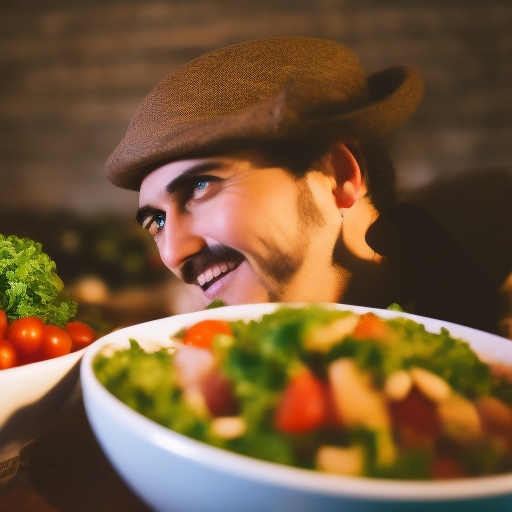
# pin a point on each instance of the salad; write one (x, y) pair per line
(324, 389)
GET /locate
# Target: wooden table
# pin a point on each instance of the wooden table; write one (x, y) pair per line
(66, 471)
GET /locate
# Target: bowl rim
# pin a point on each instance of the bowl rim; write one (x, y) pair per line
(276, 474)
(48, 364)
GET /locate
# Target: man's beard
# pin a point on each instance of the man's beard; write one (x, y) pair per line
(278, 267)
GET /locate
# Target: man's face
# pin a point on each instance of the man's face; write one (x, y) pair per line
(243, 231)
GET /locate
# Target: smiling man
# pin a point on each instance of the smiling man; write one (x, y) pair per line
(243, 229)
(262, 178)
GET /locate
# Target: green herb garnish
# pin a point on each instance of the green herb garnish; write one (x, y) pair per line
(215, 303)
(29, 284)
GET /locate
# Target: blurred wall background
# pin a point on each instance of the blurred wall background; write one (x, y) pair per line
(72, 73)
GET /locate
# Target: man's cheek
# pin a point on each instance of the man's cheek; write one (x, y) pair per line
(232, 226)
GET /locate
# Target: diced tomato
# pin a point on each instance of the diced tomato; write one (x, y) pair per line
(218, 394)
(3, 324)
(8, 355)
(202, 333)
(302, 407)
(370, 326)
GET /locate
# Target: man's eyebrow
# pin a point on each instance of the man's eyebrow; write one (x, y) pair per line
(176, 184)
(144, 212)
(181, 180)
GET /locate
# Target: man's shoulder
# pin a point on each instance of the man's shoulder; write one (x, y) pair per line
(440, 278)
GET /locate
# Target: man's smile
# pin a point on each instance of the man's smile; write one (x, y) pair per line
(214, 273)
(210, 264)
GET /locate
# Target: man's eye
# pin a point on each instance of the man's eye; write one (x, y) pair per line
(202, 187)
(154, 223)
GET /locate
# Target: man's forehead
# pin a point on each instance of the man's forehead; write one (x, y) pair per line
(167, 178)
(156, 182)
(161, 176)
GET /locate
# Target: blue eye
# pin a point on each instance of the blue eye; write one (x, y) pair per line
(201, 188)
(153, 223)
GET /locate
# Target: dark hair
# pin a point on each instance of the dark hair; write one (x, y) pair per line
(378, 172)
(302, 155)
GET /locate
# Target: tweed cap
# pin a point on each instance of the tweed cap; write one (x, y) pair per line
(269, 89)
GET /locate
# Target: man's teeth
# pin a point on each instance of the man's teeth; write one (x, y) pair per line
(215, 271)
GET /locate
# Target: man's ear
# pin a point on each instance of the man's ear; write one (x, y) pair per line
(349, 184)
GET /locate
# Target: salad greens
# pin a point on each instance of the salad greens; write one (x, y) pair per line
(216, 303)
(443, 432)
(29, 284)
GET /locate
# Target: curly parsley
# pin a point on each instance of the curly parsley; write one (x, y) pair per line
(29, 284)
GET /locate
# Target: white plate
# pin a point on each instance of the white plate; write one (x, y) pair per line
(174, 473)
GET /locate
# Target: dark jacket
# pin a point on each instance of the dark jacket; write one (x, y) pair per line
(430, 274)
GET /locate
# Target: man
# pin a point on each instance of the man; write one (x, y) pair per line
(262, 178)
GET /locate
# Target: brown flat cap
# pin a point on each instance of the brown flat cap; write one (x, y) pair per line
(266, 89)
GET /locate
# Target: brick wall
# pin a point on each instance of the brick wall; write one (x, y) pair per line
(72, 73)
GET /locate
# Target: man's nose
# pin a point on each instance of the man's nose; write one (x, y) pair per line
(179, 241)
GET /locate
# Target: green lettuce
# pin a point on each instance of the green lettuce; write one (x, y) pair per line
(29, 284)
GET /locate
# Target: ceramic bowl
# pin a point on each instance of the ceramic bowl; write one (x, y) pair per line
(32, 398)
(171, 472)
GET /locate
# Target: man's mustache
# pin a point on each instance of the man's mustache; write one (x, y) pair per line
(206, 258)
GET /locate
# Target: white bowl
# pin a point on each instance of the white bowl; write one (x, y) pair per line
(32, 398)
(171, 472)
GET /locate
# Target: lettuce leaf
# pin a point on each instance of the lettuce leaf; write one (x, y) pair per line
(29, 284)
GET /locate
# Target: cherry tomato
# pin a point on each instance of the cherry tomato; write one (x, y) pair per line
(8, 356)
(370, 326)
(26, 335)
(3, 324)
(302, 407)
(81, 334)
(56, 342)
(202, 333)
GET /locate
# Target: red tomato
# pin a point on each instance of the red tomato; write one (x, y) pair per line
(302, 407)
(202, 333)
(56, 342)
(3, 324)
(8, 356)
(370, 326)
(26, 335)
(81, 334)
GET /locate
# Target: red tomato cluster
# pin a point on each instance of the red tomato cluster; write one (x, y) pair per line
(28, 340)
